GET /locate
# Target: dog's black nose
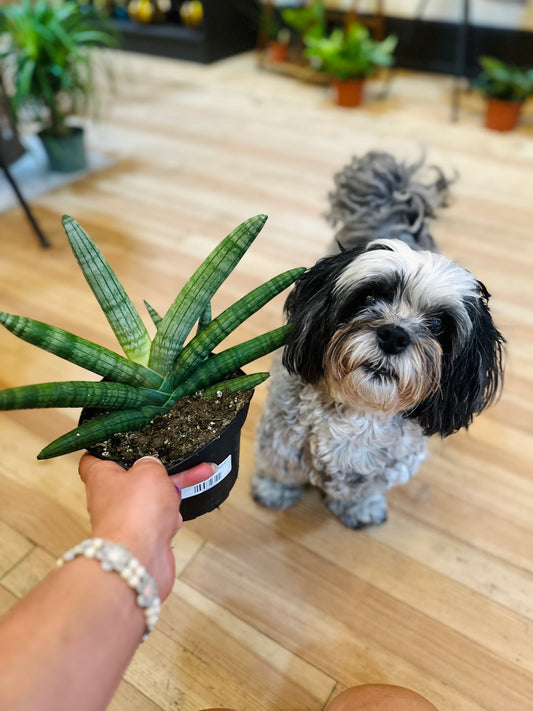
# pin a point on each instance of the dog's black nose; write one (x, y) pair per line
(392, 339)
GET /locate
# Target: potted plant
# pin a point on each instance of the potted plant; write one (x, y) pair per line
(276, 32)
(49, 54)
(349, 56)
(152, 390)
(506, 88)
(307, 21)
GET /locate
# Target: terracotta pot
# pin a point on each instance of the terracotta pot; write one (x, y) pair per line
(278, 51)
(348, 92)
(502, 115)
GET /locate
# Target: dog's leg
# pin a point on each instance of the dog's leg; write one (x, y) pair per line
(280, 473)
(273, 494)
(361, 512)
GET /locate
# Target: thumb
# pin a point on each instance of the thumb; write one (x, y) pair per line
(195, 475)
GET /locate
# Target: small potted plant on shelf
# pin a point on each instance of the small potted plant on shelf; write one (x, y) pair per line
(506, 88)
(349, 56)
(49, 56)
(307, 21)
(276, 33)
(164, 393)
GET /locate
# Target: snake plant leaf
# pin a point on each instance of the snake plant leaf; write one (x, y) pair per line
(197, 293)
(205, 318)
(98, 430)
(81, 352)
(202, 344)
(239, 384)
(116, 304)
(112, 396)
(156, 318)
(226, 362)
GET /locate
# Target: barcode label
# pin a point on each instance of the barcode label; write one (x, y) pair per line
(223, 470)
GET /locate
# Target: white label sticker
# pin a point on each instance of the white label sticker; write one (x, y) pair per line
(223, 470)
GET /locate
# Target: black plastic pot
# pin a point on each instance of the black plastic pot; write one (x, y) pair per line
(66, 154)
(222, 450)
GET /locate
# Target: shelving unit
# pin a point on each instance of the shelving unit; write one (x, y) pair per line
(225, 30)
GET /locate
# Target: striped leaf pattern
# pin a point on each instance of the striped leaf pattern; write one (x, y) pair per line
(202, 344)
(197, 293)
(78, 393)
(77, 350)
(235, 385)
(116, 304)
(100, 429)
(215, 368)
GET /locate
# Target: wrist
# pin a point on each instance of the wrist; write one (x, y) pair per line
(144, 550)
(115, 558)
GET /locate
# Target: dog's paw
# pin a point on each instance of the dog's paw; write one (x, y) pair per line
(358, 514)
(273, 494)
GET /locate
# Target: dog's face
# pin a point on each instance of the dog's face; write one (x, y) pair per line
(389, 329)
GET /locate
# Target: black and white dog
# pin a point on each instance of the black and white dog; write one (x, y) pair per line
(390, 343)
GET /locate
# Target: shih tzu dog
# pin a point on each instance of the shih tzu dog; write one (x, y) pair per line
(390, 343)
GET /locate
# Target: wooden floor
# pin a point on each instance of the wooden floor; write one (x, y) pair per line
(281, 611)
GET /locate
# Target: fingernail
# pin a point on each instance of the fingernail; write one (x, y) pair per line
(214, 467)
(178, 488)
(153, 457)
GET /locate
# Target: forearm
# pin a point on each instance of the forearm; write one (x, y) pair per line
(67, 645)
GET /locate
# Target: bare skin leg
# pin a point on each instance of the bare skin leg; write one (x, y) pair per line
(375, 697)
(380, 697)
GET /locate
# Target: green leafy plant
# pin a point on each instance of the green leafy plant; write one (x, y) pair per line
(308, 21)
(499, 80)
(154, 374)
(351, 53)
(273, 26)
(49, 53)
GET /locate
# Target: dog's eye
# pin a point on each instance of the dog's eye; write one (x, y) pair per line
(369, 300)
(436, 326)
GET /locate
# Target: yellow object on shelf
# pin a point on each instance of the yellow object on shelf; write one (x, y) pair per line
(192, 13)
(141, 11)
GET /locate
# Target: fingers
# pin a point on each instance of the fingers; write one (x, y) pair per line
(90, 465)
(148, 463)
(193, 476)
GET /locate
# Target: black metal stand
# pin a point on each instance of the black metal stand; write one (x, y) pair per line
(42, 238)
(460, 59)
(461, 48)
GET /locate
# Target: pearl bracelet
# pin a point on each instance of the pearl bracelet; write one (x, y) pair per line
(115, 557)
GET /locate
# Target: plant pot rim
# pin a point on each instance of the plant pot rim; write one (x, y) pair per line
(505, 101)
(72, 130)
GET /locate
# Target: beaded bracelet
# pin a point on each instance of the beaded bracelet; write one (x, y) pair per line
(115, 557)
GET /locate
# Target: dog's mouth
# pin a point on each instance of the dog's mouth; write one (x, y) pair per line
(380, 372)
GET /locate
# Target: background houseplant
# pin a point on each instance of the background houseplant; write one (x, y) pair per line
(49, 56)
(349, 56)
(276, 33)
(146, 386)
(307, 21)
(506, 88)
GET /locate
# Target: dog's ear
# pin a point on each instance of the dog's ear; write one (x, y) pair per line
(471, 377)
(311, 311)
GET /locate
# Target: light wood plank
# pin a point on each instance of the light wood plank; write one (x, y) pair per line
(30, 571)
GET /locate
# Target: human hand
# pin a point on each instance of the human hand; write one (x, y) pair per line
(139, 507)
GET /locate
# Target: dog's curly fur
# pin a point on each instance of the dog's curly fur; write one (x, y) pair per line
(390, 343)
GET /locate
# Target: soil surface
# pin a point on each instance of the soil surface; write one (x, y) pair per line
(192, 423)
